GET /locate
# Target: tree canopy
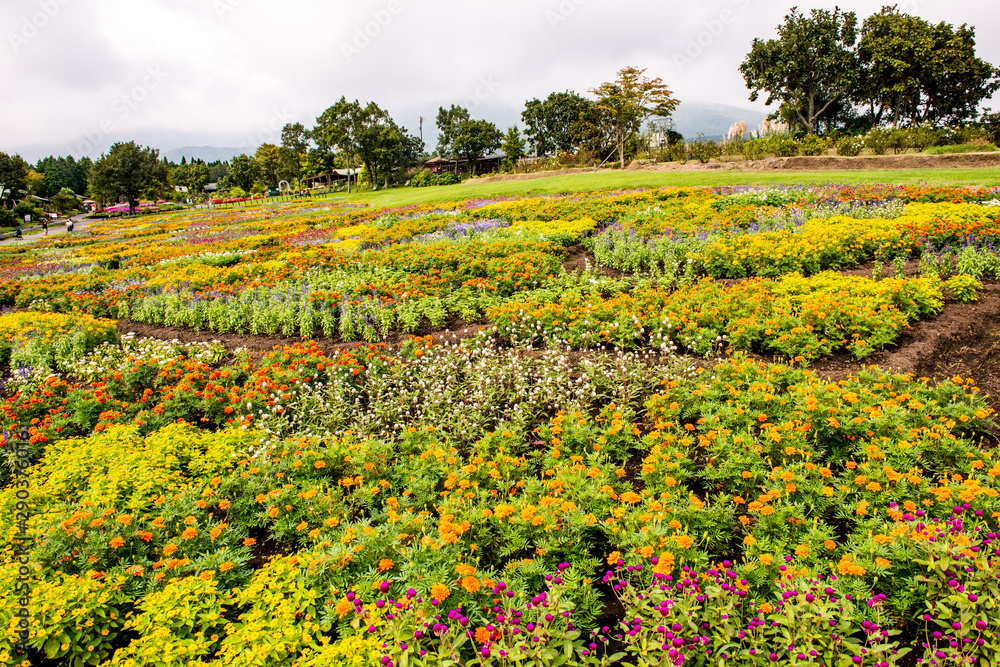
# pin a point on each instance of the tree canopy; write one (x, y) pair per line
(915, 72)
(13, 175)
(126, 171)
(628, 101)
(555, 123)
(811, 66)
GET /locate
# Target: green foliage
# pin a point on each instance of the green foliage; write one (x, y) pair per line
(964, 288)
(703, 149)
(783, 145)
(878, 140)
(850, 146)
(754, 149)
(814, 145)
(127, 170)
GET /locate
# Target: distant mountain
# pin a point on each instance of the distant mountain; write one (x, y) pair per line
(712, 120)
(206, 153)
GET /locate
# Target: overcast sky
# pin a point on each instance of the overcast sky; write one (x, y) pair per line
(78, 75)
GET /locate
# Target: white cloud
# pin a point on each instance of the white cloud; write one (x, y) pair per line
(232, 66)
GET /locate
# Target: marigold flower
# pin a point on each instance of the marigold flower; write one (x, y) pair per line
(483, 635)
(189, 534)
(385, 564)
(440, 592)
(249, 542)
(116, 541)
(470, 584)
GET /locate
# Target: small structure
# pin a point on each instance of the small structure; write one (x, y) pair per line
(484, 165)
(326, 180)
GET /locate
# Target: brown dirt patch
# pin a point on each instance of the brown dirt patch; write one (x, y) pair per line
(963, 340)
(526, 177)
(454, 328)
(956, 161)
(578, 258)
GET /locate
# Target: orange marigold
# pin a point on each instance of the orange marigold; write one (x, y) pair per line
(440, 592)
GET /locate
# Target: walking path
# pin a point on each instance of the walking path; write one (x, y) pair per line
(35, 233)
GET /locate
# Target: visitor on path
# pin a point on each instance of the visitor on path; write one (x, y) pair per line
(69, 226)
(45, 226)
(18, 235)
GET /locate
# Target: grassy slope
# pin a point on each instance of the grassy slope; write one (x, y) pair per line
(612, 180)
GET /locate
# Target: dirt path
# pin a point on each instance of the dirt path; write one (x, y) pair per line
(34, 234)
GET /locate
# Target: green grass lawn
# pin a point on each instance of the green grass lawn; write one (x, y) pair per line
(587, 181)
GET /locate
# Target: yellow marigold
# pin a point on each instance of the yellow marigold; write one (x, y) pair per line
(631, 497)
(503, 511)
(613, 557)
(440, 592)
(646, 551)
(749, 540)
(124, 519)
(273, 512)
(766, 559)
(225, 567)
(882, 562)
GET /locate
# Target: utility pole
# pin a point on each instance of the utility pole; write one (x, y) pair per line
(421, 129)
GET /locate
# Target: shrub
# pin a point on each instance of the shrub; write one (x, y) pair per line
(447, 178)
(754, 149)
(877, 140)
(961, 148)
(850, 146)
(783, 145)
(898, 140)
(963, 288)
(923, 136)
(423, 178)
(814, 145)
(703, 149)
(7, 218)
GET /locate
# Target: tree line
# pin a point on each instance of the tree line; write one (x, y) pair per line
(826, 72)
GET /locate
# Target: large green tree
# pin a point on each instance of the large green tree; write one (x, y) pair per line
(336, 131)
(811, 66)
(914, 71)
(448, 122)
(13, 176)
(553, 124)
(629, 101)
(294, 149)
(126, 171)
(268, 157)
(243, 172)
(474, 139)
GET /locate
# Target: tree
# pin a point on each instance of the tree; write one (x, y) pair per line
(513, 146)
(268, 157)
(126, 171)
(553, 125)
(295, 147)
(627, 102)
(13, 176)
(475, 138)
(811, 65)
(243, 172)
(197, 177)
(383, 145)
(917, 72)
(448, 122)
(337, 128)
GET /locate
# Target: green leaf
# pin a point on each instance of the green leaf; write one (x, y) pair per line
(52, 647)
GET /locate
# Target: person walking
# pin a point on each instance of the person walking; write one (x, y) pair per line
(45, 226)
(69, 226)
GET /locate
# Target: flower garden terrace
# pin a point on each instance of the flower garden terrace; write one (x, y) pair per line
(629, 462)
